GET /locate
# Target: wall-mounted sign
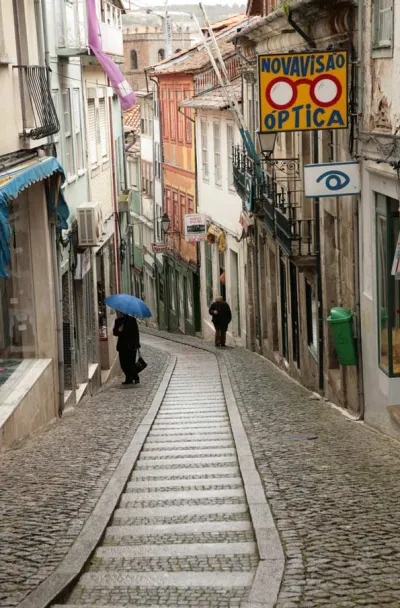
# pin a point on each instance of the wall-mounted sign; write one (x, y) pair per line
(160, 247)
(332, 179)
(396, 260)
(303, 91)
(195, 227)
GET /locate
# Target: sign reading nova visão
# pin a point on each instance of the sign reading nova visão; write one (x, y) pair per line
(303, 91)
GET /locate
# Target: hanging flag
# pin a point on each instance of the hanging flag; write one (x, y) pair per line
(117, 79)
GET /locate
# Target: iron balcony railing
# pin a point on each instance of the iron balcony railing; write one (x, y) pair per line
(248, 179)
(38, 112)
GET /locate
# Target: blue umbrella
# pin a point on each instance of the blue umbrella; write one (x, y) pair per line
(128, 305)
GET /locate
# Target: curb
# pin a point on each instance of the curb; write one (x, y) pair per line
(267, 581)
(73, 563)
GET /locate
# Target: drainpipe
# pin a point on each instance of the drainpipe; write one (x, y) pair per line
(321, 383)
(115, 197)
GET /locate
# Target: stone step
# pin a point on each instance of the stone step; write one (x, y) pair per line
(155, 447)
(182, 483)
(194, 417)
(157, 454)
(174, 511)
(182, 472)
(204, 527)
(168, 426)
(114, 580)
(189, 439)
(196, 461)
(189, 433)
(129, 497)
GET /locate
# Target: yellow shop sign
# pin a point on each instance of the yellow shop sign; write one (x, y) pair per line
(303, 91)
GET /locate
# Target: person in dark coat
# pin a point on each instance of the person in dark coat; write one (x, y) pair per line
(221, 314)
(127, 330)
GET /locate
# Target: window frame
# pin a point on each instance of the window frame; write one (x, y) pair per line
(382, 47)
(103, 140)
(175, 209)
(134, 64)
(390, 283)
(312, 328)
(204, 150)
(230, 142)
(69, 151)
(217, 154)
(182, 200)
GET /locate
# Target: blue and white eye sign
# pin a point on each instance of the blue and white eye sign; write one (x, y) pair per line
(332, 179)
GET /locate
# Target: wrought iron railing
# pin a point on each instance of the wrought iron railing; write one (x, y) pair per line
(38, 112)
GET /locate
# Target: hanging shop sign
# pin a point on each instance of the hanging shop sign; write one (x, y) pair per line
(303, 91)
(160, 247)
(332, 179)
(195, 228)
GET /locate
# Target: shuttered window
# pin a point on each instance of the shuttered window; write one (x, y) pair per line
(204, 149)
(103, 127)
(69, 148)
(92, 145)
(217, 152)
(229, 143)
(78, 129)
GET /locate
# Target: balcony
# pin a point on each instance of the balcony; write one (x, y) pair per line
(39, 116)
(111, 29)
(72, 35)
(248, 179)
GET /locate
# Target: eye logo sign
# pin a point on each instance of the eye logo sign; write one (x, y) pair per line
(303, 91)
(332, 179)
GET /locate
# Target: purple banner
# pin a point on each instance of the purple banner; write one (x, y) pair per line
(118, 81)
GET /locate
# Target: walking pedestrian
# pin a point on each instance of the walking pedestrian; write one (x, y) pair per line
(127, 330)
(221, 314)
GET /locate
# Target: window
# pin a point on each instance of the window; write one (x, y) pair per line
(209, 273)
(17, 302)
(92, 144)
(229, 143)
(178, 50)
(157, 160)
(183, 212)
(56, 102)
(172, 114)
(165, 113)
(134, 61)
(388, 297)
(69, 146)
(161, 55)
(167, 201)
(78, 129)
(204, 149)
(383, 24)
(217, 153)
(176, 209)
(188, 121)
(312, 318)
(190, 205)
(181, 118)
(103, 128)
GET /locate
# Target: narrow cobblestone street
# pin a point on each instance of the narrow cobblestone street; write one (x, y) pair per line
(334, 498)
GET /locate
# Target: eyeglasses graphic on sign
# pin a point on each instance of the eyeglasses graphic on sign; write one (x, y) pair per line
(282, 92)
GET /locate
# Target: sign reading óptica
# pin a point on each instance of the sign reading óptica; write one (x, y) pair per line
(303, 91)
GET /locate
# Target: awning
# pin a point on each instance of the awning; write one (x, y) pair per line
(15, 181)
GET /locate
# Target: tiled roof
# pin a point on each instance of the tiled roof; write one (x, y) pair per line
(213, 100)
(132, 118)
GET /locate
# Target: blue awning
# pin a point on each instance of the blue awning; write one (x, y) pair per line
(17, 181)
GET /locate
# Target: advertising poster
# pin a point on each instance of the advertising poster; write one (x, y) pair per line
(195, 228)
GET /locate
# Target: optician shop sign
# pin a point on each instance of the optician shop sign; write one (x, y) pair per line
(332, 179)
(303, 91)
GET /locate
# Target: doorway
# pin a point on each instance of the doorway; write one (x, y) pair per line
(284, 311)
(294, 305)
(235, 293)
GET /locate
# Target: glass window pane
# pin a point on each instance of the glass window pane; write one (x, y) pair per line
(382, 292)
(17, 312)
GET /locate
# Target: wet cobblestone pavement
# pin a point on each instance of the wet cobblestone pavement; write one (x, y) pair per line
(335, 499)
(51, 482)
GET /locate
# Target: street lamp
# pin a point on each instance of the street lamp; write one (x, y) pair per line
(165, 222)
(267, 143)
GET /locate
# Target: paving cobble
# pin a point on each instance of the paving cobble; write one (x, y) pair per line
(179, 539)
(217, 563)
(51, 482)
(213, 597)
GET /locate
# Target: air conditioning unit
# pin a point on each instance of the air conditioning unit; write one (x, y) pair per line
(90, 224)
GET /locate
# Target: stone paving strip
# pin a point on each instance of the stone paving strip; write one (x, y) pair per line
(188, 469)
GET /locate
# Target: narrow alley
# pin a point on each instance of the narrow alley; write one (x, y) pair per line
(182, 532)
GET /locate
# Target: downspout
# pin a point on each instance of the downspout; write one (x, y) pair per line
(115, 197)
(321, 382)
(155, 219)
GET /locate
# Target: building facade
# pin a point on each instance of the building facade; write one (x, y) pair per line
(302, 253)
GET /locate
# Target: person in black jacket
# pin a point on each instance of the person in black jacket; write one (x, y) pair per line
(221, 317)
(127, 330)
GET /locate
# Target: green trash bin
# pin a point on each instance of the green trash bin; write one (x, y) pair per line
(341, 323)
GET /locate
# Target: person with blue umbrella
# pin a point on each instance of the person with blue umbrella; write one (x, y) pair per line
(127, 330)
